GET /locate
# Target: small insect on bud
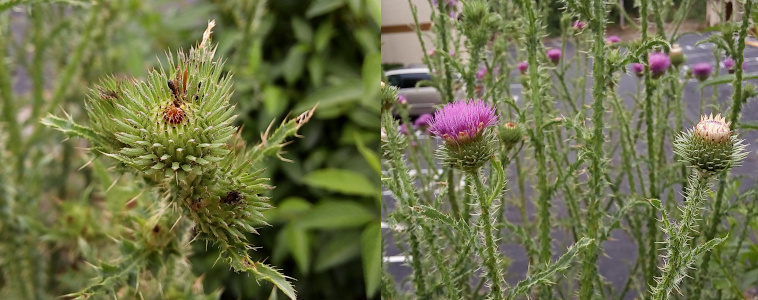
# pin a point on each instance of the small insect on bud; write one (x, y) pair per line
(172, 87)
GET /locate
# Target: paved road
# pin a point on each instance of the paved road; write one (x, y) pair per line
(619, 252)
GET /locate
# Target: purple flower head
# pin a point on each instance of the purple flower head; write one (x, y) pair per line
(554, 55)
(402, 100)
(613, 39)
(431, 52)
(463, 120)
(578, 25)
(729, 63)
(638, 69)
(702, 70)
(481, 72)
(451, 52)
(522, 67)
(659, 63)
(423, 121)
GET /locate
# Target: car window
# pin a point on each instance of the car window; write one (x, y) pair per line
(407, 80)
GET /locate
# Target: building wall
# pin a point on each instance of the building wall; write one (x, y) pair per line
(404, 47)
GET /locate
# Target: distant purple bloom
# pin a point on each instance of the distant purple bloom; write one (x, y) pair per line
(522, 67)
(659, 63)
(401, 99)
(639, 69)
(431, 52)
(402, 129)
(702, 71)
(578, 25)
(481, 72)
(554, 55)
(729, 63)
(462, 120)
(613, 39)
(423, 121)
(451, 52)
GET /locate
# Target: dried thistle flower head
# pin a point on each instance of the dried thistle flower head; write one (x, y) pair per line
(465, 126)
(710, 146)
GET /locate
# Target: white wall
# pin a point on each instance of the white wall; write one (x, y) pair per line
(404, 47)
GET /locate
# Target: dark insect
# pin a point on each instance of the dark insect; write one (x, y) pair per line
(173, 88)
(232, 197)
(156, 229)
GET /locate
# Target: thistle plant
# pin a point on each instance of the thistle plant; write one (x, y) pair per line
(176, 130)
(709, 148)
(585, 152)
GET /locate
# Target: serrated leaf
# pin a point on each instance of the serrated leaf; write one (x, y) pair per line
(266, 272)
(341, 181)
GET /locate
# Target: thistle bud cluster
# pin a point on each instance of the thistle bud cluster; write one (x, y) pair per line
(710, 146)
(176, 130)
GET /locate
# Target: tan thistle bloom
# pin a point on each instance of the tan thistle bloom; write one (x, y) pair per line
(714, 130)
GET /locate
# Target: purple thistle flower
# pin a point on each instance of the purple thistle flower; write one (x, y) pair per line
(578, 25)
(638, 69)
(522, 67)
(463, 120)
(702, 71)
(729, 65)
(423, 121)
(402, 100)
(613, 39)
(659, 63)
(481, 72)
(554, 55)
(431, 52)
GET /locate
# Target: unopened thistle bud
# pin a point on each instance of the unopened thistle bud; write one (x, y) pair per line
(511, 134)
(554, 55)
(465, 128)
(702, 71)
(638, 69)
(711, 146)
(522, 67)
(677, 56)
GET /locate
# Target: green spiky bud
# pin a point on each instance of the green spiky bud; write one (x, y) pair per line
(677, 56)
(710, 146)
(511, 134)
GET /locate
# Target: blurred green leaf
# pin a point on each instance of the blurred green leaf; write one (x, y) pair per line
(323, 36)
(330, 96)
(316, 69)
(342, 181)
(339, 249)
(302, 30)
(372, 75)
(274, 100)
(297, 239)
(371, 157)
(331, 214)
(372, 257)
(294, 63)
(320, 7)
(375, 10)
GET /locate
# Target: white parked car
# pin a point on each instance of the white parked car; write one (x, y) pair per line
(421, 99)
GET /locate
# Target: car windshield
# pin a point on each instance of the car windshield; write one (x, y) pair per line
(407, 80)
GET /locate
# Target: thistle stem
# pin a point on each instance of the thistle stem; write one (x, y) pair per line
(490, 248)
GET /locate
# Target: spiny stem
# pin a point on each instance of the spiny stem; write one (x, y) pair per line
(596, 172)
(493, 271)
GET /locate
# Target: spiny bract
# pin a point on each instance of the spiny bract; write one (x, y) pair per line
(710, 146)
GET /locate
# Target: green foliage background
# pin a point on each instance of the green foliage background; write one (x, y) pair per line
(286, 57)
